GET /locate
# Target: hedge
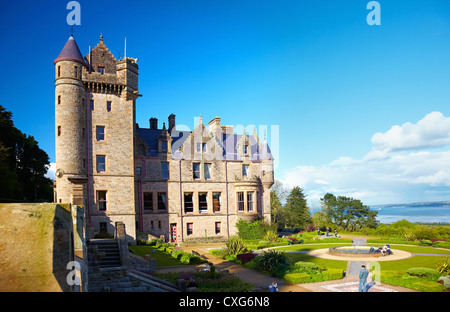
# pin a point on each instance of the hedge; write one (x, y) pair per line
(306, 265)
(332, 274)
(423, 272)
(297, 278)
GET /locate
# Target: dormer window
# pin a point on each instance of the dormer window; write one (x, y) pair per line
(164, 146)
(101, 70)
(246, 149)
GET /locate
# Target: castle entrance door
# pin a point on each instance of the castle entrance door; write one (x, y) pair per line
(173, 232)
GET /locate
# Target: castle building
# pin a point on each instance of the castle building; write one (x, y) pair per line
(184, 185)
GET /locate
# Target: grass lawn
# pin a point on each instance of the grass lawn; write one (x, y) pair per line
(405, 264)
(162, 258)
(329, 264)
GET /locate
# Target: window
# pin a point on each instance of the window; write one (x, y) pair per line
(59, 71)
(108, 106)
(162, 201)
(84, 163)
(218, 227)
(164, 146)
(138, 170)
(196, 169)
(159, 224)
(151, 225)
(250, 201)
(246, 149)
(148, 201)
(188, 202)
(83, 133)
(59, 99)
(189, 228)
(75, 71)
(244, 170)
(101, 70)
(165, 171)
(203, 202)
(207, 171)
(201, 147)
(92, 105)
(101, 163)
(240, 201)
(101, 201)
(59, 130)
(100, 133)
(217, 202)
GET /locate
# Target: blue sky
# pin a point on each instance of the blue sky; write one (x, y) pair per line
(355, 110)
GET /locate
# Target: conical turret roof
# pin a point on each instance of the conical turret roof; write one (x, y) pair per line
(70, 52)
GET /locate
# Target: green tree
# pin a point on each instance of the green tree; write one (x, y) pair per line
(348, 213)
(298, 214)
(23, 165)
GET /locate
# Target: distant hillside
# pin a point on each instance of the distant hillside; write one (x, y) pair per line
(415, 205)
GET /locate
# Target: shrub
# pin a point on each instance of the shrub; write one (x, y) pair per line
(273, 262)
(297, 278)
(186, 257)
(177, 254)
(306, 265)
(271, 236)
(235, 245)
(332, 274)
(423, 272)
(263, 242)
(443, 266)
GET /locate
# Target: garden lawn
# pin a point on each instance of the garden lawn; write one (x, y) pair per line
(405, 264)
(162, 258)
(329, 264)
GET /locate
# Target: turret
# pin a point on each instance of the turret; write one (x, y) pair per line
(70, 120)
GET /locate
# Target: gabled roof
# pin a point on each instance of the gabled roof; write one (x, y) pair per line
(70, 52)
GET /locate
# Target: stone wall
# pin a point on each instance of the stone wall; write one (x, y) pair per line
(36, 246)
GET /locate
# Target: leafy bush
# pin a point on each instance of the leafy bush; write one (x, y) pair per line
(177, 254)
(273, 262)
(253, 230)
(443, 266)
(306, 265)
(271, 236)
(332, 274)
(297, 278)
(235, 245)
(423, 272)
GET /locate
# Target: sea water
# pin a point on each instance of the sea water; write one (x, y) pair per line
(438, 212)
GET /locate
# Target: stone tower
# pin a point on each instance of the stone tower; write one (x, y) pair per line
(70, 124)
(111, 91)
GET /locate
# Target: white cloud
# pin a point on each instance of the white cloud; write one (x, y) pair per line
(432, 131)
(391, 172)
(51, 171)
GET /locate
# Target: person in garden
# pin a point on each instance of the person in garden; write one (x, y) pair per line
(363, 274)
(273, 287)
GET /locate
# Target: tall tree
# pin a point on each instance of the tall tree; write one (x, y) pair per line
(347, 212)
(277, 197)
(297, 209)
(23, 165)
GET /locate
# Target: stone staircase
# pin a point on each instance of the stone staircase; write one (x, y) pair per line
(107, 273)
(108, 250)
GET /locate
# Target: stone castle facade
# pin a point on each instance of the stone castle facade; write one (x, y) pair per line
(158, 180)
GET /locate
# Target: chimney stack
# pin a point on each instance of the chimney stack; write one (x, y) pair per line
(171, 122)
(153, 123)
